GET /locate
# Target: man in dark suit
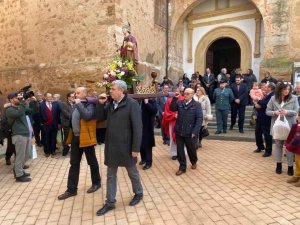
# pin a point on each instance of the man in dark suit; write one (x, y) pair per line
(208, 81)
(161, 103)
(50, 116)
(66, 113)
(149, 110)
(238, 106)
(263, 123)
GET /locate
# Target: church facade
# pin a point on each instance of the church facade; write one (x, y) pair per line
(58, 45)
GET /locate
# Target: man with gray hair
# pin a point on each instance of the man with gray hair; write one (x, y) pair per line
(122, 143)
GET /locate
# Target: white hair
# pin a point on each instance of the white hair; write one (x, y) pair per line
(120, 84)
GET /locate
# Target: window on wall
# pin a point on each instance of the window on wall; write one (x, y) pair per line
(160, 13)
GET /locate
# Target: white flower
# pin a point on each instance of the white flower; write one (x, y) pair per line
(105, 76)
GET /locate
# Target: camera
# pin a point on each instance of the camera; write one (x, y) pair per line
(26, 92)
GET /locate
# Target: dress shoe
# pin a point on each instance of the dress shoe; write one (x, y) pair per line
(146, 167)
(278, 168)
(105, 209)
(66, 195)
(26, 174)
(47, 155)
(25, 167)
(290, 171)
(257, 150)
(199, 145)
(164, 142)
(180, 172)
(193, 167)
(241, 131)
(231, 127)
(224, 131)
(8, 162)
(266, 154)
(218, 132)
(23, 178)
(142, 163)
(136, 199)
(94, 188)
(174, 157)
(293, 180)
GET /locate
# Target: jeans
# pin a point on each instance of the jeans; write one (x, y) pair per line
(173, 145)
(76, 155)
(189, 142)
(111, 186)
(278, 156)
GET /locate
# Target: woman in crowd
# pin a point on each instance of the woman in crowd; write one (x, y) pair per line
(283, 103)
(201, 97)
(186, 81)
(168, 123)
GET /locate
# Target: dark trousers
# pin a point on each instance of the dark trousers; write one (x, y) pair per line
(210, 92)
(146, 155)
(163, 133)
(49, 139)
(10, 149)
(260, 132)
(189, 142)
(100, 134)
(66, 146)
(37, 131)
(222, 117)
(75, 159)
(111, 185)
(239, 110)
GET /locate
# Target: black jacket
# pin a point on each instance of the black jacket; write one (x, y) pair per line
(241, 94)
(262, 117)
(148, 115)
(123, 132)
(189, 118)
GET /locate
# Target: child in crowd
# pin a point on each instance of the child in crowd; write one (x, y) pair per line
(256, 93)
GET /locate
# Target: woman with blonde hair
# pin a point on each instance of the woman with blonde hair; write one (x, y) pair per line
(201, 97)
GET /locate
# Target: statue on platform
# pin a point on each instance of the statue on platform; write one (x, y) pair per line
(129, 47)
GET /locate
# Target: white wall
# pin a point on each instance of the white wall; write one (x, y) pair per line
(248, 26)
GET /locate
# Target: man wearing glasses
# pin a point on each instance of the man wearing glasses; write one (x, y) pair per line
(187, 127)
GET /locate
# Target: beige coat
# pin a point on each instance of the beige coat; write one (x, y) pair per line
(206, 108)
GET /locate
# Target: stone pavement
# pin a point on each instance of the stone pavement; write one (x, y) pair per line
(231, 185)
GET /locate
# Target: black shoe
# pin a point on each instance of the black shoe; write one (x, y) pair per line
(241, 131)
(164, 142)
(279, 168)
(224, 131)
(104, 209)
(136, 199)
(146, 167)
(8, 162)
(26, 174)
(142, 163)
(94, 188)
(199, 145)
(257, 150)
(23, 178)
(66, 195)
(180, 172)
(25, 167)
(218, 132)
(174, 157)
(65, 152)
(231, 127)
(266, 154)
(290, 171)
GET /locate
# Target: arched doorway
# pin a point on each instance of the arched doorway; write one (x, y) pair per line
(219, 33)
(223, 52)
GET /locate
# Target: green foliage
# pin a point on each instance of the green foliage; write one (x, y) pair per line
(279, 62)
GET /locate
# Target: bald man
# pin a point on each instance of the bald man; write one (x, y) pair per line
(187, 127)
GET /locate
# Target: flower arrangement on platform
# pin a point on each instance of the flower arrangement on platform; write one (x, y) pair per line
(119, 69)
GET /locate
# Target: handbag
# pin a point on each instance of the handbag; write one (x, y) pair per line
(205, 132)
(292, 143)
(281, 129)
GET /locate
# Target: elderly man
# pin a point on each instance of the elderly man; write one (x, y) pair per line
(187, 127)
(83, 140)
(122, 143)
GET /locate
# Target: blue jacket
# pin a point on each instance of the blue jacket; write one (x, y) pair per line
(262, 117)
(223, 98)
(242, 94)
(55, 113)
(189, 119)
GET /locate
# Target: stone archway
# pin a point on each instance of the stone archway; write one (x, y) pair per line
(223, 32)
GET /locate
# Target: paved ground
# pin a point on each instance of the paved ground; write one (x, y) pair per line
(232, 185)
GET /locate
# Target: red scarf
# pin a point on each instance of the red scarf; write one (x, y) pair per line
(169, 117)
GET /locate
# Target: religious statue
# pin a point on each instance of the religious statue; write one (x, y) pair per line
(129, 48)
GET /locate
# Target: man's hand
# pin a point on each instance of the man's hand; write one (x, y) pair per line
(257, 106)
(135, 154)
(193, 135)
(102, 98)
(146, 100)
(77, 100)
(237, 101)
(33, 98)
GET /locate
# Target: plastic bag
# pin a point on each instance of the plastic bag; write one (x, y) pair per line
(59, 138)
(33, 153)
(281, 129)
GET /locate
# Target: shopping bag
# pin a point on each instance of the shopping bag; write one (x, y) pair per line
(33, 153)
(281, 128)
(59, 138)
(292, 143)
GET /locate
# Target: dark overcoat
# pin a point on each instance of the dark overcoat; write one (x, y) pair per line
(148, 115)
(123, 133)
(262, 117)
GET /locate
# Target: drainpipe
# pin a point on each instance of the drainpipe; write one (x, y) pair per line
(167, 37)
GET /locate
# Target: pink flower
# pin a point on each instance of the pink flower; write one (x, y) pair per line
(105, 76)
(124, 69)
(119, 64)
(113, 73)
(111, 79)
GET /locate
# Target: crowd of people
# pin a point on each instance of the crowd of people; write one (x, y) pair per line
(184, 110)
